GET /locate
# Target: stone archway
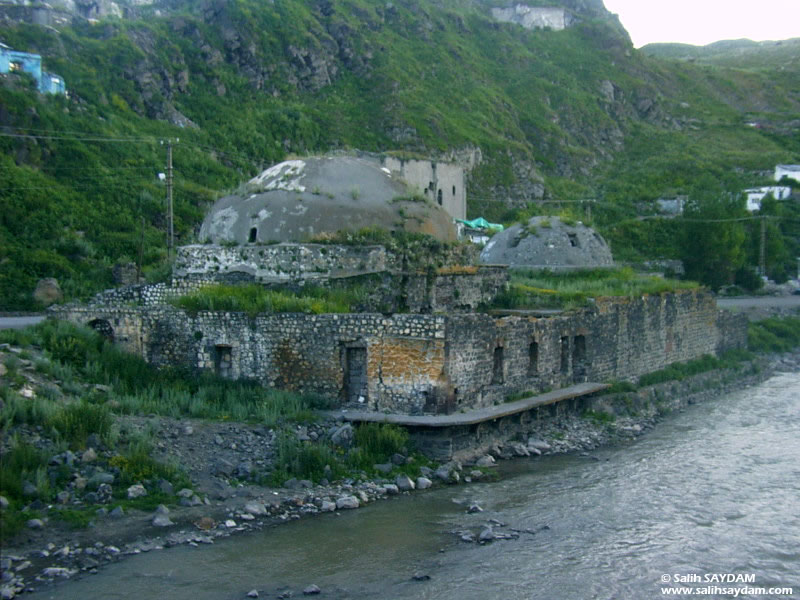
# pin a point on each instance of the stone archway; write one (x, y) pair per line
(102, 327)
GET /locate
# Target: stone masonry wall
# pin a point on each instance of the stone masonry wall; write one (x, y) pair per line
(618, 339)
(426, 363)
(299, 352)
(147, 294)
(282, 262)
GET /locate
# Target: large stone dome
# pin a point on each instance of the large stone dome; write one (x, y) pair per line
(296, 200)
(548, 243)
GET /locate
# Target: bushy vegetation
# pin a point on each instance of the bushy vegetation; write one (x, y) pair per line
(774, 334)
(137, 387)
(374, 443)
(548, 289)
(680, 371)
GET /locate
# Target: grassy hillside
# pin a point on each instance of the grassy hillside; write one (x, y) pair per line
(242, 84)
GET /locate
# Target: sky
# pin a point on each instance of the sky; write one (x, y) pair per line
(701, 22)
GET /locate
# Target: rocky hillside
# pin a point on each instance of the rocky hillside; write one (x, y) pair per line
(552, 112)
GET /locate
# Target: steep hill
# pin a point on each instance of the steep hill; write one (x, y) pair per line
(552, 113)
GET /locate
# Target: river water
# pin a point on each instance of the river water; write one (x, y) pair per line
(714, 489)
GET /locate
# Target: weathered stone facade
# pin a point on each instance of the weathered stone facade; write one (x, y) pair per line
(427, 363)
(616, 339)
(283, 262)
(440, 182)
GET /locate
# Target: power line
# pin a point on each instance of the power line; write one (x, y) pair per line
(51, 169)
(80, 139)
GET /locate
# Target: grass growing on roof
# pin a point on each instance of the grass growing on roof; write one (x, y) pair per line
(572, 289)
(255, 299)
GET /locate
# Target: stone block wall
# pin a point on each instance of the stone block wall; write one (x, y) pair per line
(146, 294)
(282, 262)
(617, 339)
(454, 289)
(426, 363)
(442, 183)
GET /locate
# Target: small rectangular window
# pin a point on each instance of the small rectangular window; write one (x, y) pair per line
(497, 366)
(224, 360)
(533, 358)
(565, 354)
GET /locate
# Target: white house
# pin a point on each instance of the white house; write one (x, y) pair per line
(790, 171)
(756, 195)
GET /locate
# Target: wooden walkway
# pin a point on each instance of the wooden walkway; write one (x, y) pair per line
(473, 416)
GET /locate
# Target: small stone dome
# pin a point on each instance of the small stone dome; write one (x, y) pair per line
(296, 200)
(548, 243)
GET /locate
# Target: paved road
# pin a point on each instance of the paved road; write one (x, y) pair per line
(787, 302)
(19, 322)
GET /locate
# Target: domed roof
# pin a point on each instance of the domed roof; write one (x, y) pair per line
(296, 200)
(548, 242)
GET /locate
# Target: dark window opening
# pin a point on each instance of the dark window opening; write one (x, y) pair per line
(253, 234)
(103, 327)
(223, 360)
(579, 358)
(565, 354)
(573, 240)
(454, 190)
(431, 187)
(439, 197)
(497, 366)
(533, 358)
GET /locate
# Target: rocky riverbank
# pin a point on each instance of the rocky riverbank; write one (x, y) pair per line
(223, 461)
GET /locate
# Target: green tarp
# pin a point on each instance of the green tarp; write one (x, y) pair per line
(481, 223)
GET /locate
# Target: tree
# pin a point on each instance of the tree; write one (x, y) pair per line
(714, 242)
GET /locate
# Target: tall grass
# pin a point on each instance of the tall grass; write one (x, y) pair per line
(255, 299)
(374, 443)
(732, 359)
(75, 422)
(305, 460)
(81, 354)
(548, 289)
(774, 334)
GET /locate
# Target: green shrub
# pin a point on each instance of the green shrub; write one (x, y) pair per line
(77, 421)
(381, 440)
(599, 417)
(774, 334)
(23, 463)
(304, 460)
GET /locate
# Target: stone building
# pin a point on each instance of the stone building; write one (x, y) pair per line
(302, 199)
(14, 61)
(435, 363)
(548, 243)
(440, 182)
(788, 171)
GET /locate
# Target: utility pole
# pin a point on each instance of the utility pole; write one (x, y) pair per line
(170, 213)
(762, 248)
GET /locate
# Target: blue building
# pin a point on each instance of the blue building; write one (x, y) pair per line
(12, 61)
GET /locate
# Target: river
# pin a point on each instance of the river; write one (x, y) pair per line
(714, 489)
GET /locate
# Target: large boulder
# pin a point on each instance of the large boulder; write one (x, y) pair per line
(48, 291)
